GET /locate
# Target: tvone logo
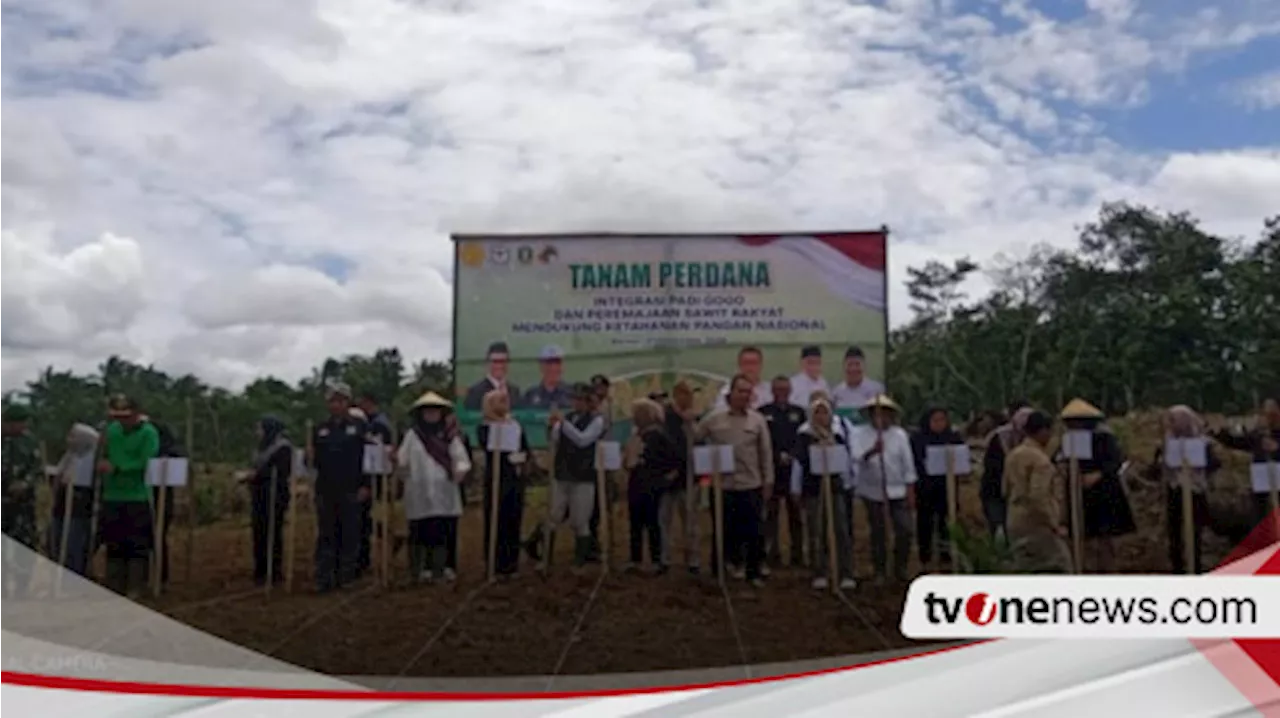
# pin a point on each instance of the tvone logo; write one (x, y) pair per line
(980, 609)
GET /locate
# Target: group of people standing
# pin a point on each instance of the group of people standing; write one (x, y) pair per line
(1026, 496)
(101, 496)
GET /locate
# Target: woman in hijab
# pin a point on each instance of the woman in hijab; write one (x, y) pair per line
(75, 469)
(434, 461)
(1106, 511)
(1181, 422)
(654, 462)
(512, 469)
(931, 491)
(824, 428)
(272, 467)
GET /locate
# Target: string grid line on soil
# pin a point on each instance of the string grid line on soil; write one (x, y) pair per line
(577, 630)
(863, 618)
(737, 633)
(315, 618)
(168, 613)
(435, 637)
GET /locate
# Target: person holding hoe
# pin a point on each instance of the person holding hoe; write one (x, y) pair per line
(268, 482)
(821, 430)
(886, 471)
(1106, 511)
(933, 510)
(503, 510)
(126, 520)
(654, 462)
(1263, 443)
(337, 447)
(1182, 422)
(1033, 491)
(433, 461)
(573, 496)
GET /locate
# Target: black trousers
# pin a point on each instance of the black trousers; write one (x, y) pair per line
(126, 529)
(260, 495)
(743, 531)
(510, 516)
(642, 509)
(364, 559)
(337, 539)
(931, 516)
(1173, 526)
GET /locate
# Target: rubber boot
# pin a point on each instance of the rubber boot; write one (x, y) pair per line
(136, 577)
(581, 551)
(116, 575)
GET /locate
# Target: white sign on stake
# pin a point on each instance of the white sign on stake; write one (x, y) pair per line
(610, 452)
(830, 460)
(377, 462)
(1078, 445)
(174, 475)
(300, 463)
(703, 455)
(1260, 477)
(80, 470)
(935, 460)
(508, 432)
(1195, 449)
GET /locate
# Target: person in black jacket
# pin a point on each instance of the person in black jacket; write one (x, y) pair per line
(932, 502)
(340, 488)
(1263, 444)
(1105, 506)
(272, 468)
(785, 420)
(999, 443)
(654, 462)
(512, 470)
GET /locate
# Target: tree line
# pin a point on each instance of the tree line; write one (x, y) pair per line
(1147, 310)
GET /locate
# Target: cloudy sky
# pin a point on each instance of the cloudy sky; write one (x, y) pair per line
(240, 187)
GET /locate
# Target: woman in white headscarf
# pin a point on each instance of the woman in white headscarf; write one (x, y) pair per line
(74, 470)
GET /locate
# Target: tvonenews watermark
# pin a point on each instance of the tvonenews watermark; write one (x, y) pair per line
(1092, 607)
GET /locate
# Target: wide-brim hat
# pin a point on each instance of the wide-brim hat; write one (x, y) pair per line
(433, 400)
(882, 401)
(1081, 409)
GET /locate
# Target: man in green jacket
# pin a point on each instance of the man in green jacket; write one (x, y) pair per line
(22, 472)
(131, 444)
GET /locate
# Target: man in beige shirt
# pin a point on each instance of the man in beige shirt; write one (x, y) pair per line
(1032, 487)
(748, 485)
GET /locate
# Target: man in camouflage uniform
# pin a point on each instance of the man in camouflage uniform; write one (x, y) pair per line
(22, 472)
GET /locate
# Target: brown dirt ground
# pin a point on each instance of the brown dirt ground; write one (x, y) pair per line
(523, 627)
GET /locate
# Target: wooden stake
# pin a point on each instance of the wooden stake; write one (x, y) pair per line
(157, 553)
(829, 509)
(271, 530)
(1188, 520)
(495, 481)
(717, 488)
(884, 488)
(1273, 498)
(191, 491)
(602, 498)
(549, 528)
(96, 508)
(291, 545)
(952, 508)
(68, 496)
(1076, 496)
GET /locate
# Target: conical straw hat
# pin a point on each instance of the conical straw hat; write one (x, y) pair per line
(432, 399)
(1081, 409)
(882, 401)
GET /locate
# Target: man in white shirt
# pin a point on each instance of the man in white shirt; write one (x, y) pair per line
(885, 464)
(856, 389)
(750, 365)
(810, 377)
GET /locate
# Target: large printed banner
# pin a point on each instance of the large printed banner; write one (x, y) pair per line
(541, 313)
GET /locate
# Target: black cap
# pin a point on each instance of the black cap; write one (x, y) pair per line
(854, 352)
(600, 380)
(813, 350)
(497, 348)
(582, 391)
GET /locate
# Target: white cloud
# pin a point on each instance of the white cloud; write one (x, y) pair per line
(240, 146)
(1261, 92)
